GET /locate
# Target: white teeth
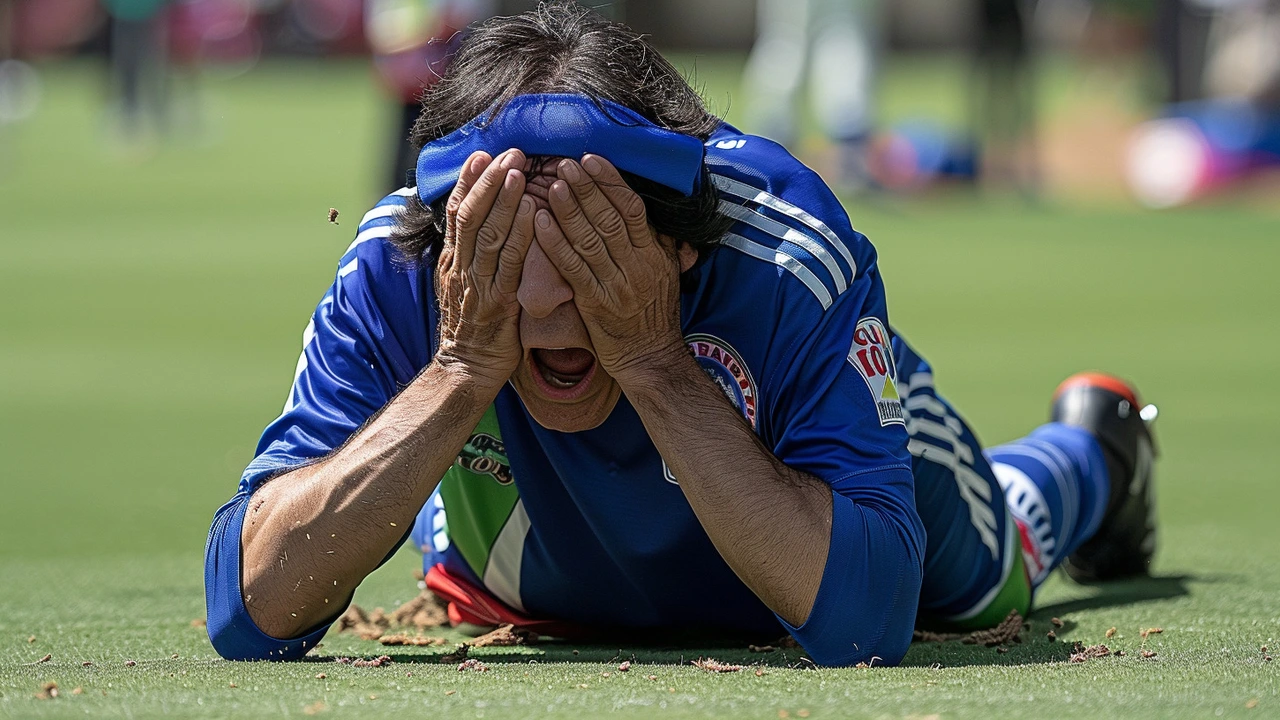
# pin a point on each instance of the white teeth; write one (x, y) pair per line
(556, 382)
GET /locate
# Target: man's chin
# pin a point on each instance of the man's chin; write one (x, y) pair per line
(586, 414)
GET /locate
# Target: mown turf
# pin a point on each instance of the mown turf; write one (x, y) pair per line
(150, 314)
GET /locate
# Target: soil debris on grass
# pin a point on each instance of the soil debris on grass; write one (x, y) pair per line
(363, 662)
(449, 692)
(1080, 653)
(651, 677)
(321, 676)
(48, 691)
(367, 627)
(86, 663)
(31, 639)
(411, 640)
(45, 659)
(424, 612)
(1151, 631)
(787, 642)
(761, 648)
(760, 672)
(1051, 636)
(1057, 622)
(1007, 631)
(1119, 653)
(1147, 654)
(505, 635)
(1002, 649)
(457, 655)
(130, 663)
(624, 666)
(1111, 632)
(333, 215)
(473, 665)
(715, 666)
(1251, 704)
(315, 708)
(77, 691)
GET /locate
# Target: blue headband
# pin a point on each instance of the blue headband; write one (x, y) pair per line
(564, 126)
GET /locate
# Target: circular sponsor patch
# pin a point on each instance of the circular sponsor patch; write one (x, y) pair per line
(725, 366)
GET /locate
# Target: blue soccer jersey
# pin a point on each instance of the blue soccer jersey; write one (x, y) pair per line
(787, 316)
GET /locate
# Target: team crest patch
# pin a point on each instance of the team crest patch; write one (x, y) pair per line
(871, 354)
(485, 454)
(725, 366)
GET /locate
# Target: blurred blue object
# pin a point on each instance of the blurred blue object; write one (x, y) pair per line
(918, 153)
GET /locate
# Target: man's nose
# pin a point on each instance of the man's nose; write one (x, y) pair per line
(542, 290)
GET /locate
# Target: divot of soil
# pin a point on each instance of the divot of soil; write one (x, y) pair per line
(411, 640)
(362, 662)
(505, 635)
(1147, 654)
(1111, 632)
(1080, 653)
(333, 215)
(624, 666)
(457, 655)
(48, 691)
(45, 659)
(1056, 622)
(1009, 630)
(715, 666)
(761, 648)
(473, 665)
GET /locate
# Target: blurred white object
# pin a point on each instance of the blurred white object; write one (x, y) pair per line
(20, 91)
(1168, 163)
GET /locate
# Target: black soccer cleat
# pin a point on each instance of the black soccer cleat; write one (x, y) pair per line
(1126, 540)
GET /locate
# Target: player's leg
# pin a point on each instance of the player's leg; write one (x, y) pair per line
(973, 570)
(1080, 487)
(846, 49)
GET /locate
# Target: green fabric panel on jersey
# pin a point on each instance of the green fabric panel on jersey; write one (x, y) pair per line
(1015, 595)
(479, 493)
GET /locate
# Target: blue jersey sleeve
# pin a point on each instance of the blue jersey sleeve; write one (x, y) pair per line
(836, 415)
(829, 395)
(354, 358)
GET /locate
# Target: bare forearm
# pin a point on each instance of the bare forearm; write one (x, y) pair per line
(772, 524)
(312, 535)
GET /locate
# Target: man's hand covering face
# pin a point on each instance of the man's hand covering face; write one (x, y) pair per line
(625, 279)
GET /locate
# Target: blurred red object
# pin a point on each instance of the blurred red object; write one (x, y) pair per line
(44, 27)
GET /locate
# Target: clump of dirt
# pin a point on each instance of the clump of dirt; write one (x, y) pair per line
(1080, 653)
(363, 663)
(333, 215)
(761, 648)
(315, 708)
(715, 666)
(411, 640)
(457, 655)
(45, 659)
(1111, 632)
(505, 635)
(130, 663)
(423, 612)
(31, 639)
(624, 666)
(199, 623)
(787, 642)
(1151, 631)
(48, 691)
(1051, 636)
(1057, 622)
(1007, 631)
(473, 665)
(1147, 654)
(871, 663)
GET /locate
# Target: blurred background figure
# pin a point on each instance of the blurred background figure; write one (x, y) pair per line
(832, 46)
(412, 42)
(138, 52)
(1003, 97)
(1221, 123)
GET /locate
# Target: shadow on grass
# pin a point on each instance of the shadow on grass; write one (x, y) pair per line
(1035, 647)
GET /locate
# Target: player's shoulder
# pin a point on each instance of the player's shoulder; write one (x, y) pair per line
(791, 241)
(372, 274)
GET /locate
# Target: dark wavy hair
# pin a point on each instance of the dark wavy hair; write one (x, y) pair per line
(562, 47)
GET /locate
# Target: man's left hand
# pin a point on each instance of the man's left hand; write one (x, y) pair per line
(625, 278)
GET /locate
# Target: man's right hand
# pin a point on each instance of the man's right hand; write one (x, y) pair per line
(489, 228)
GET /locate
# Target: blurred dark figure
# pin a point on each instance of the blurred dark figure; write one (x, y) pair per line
(1003, 107)
(1181, 37)
(138, 55)
(412, 42)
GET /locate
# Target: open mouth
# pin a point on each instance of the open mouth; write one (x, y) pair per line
(562, 373)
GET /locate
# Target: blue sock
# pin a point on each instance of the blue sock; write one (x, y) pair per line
(1056, 484)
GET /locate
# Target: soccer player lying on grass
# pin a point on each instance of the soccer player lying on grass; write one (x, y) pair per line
(616, 366)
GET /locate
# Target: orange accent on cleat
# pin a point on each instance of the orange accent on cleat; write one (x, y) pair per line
(1102, 380)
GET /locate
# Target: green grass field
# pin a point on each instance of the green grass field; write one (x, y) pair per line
(150, 318)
